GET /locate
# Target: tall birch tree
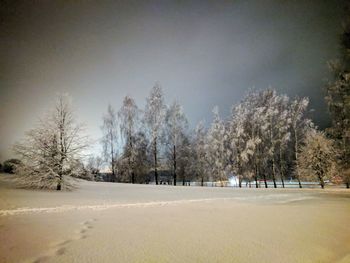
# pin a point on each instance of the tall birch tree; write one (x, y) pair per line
(175, 128)
(154, 119)
(110, 139)
(128, 120)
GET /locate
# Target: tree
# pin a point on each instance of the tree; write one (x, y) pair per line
(317, 158)
(154, 120)
(128, 116)
(141, 162)
(216, 151)
(338, 101)
(94, 164)
(278, 135)
(245, 138)
(199, 162)
(259, 135)
(236, 142)
(300, 125)
(110, 139)
(50, 151)
(283, 135)
(184, 159)
(175, 126)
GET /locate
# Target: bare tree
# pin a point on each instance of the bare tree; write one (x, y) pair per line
(175, 126)
(199, 163)
(94, 164)
(110, 139)
(128, 116)
(184, 159)
(154, 120)
(51, 151)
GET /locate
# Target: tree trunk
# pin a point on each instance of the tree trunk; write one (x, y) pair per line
(62, 148)
(299, 182)
(113, 170)
(265, 182)
(174, 161)
(130, 157)
(256, 176)
(202, 182)
(281, 167)
(155, 161)
(112, 159)
(132, 177)
(296, 155)
(113, 179)
(60, 175)
(321, 181)
(274, 173)
(347, 185)
(273, 155)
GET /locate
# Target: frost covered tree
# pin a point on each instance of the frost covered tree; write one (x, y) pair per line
(317, 158)
(261, 119)
(300, 126)
(255, 143)
(128, 118)
(271, 118)
(237, 138)
(259, 132)
(51, 151)
(283, 135)
(338, 101)
(110, 139)
(154, 120)
(278, 135)
(199, 161)
(216, 150)
(245, 137)
(175, 128)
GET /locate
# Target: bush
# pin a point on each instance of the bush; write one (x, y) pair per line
(10, 165)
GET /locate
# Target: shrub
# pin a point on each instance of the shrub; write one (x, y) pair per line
(10, 165)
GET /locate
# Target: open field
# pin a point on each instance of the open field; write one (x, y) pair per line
(105, 222)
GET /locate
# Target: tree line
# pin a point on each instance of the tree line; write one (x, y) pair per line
(267, 136)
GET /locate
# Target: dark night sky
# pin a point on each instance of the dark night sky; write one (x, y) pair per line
(204, 53)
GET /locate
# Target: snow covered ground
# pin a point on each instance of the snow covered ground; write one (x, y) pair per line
(106, 222)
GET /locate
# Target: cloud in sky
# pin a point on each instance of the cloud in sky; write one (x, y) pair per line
(204, 53)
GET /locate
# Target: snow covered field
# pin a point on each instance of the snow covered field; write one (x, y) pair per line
(105, 222)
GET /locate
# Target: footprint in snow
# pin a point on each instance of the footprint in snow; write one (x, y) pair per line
(60, 248)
